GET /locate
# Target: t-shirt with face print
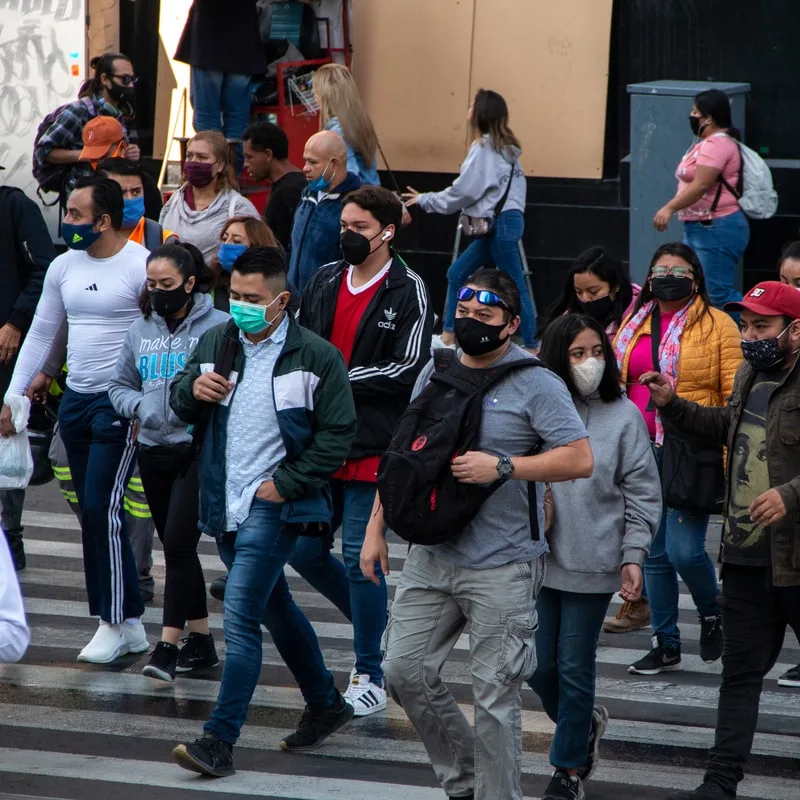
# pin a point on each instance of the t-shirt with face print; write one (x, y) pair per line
(746, 542)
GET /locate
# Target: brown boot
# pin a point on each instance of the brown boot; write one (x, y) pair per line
(630, 617)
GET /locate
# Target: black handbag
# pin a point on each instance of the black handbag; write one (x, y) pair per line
(692, 468)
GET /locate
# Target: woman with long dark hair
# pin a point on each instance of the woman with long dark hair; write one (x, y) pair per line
(491, 186)
(176, 312)
(599, 286)
(698, 351)
(707, 198)
(600, 537)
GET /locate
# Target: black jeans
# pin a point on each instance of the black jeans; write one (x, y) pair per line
(754, 618)
(173, 497)
(11, 500)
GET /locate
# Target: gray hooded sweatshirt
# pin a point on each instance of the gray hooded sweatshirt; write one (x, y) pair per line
(151, 357)
(609, 519)
(481, 183)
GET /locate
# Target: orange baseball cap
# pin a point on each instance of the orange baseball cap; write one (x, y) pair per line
(99, 135)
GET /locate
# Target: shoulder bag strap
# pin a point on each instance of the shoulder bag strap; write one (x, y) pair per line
(655, 344)
(395, 184)
(499, 207)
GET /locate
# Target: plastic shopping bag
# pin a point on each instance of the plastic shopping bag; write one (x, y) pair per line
(16, 462)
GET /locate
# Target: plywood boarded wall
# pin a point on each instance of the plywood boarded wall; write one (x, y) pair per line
(418, 63)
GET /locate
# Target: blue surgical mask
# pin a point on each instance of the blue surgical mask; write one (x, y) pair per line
(132, 211)
(228, 253)
(321, 184)
(79, 237)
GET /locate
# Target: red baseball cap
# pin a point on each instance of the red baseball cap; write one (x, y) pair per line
(770, 298)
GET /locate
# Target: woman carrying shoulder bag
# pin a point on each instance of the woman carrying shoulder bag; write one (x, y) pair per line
(490, 192)
(698, 351)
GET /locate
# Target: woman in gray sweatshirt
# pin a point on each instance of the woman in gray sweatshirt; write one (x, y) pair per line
(158, 345)
(601, 533)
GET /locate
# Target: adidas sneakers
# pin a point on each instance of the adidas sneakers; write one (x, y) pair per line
(365, 697)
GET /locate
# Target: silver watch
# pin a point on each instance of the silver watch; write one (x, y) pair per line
(505, 469)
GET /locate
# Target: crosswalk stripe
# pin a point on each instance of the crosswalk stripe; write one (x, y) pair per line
(50, 693)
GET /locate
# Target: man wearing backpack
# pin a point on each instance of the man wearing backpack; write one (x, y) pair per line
(376, 311)
(487, 574)
(761, 530)
(27, 252)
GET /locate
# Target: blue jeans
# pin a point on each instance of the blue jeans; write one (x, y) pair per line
(679, 548)
(360, 600)
(221, 102)
(257, 591)
(101, 456)
(719, 246)
(566, 650)
(501, 248)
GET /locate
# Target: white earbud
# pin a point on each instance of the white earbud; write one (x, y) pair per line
(386, 235)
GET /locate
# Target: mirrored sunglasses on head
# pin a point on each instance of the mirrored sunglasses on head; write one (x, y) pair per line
(484, 297)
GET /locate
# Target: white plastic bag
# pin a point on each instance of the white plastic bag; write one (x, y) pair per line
(16, 462)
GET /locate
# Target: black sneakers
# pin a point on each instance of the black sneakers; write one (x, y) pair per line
(562, 787)
(599, 725)
(790, 678)
(316, 725)
(206, 755)
(163, 662)
(659, 659)
(198, 652)
(707, 791)
(217, 588)
(710, 638)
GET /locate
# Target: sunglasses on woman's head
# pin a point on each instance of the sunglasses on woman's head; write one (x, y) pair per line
(484, 297)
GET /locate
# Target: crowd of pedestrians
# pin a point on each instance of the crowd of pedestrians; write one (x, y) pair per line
(271, 383)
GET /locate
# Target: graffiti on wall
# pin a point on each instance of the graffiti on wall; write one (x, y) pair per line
(41, 68)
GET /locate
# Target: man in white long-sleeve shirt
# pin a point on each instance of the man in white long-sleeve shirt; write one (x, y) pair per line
(94, 287)
(14, 633)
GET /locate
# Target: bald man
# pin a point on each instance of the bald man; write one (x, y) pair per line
(316, 227)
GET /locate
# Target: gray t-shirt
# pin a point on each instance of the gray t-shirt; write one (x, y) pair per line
(525, 408)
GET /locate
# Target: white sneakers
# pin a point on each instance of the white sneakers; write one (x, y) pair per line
(112, 641)
(365, 696)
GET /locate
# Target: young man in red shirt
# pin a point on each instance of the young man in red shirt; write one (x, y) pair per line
(377, 312)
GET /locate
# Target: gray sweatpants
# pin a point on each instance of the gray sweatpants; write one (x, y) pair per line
(435, 601)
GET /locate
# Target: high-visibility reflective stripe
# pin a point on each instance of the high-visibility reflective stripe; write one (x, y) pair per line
(62, 473)
(136, 509)
(136, 484)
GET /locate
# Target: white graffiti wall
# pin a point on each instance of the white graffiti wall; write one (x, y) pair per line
(42, 64)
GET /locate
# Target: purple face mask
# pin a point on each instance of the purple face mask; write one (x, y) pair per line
(198, 173)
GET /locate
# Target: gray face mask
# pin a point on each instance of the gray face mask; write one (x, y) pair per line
(587, 375)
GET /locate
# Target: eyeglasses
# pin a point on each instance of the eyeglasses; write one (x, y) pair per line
(126, 80)
(678, 272)
(484, 296)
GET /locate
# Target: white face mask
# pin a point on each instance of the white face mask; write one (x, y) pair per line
(587, 375)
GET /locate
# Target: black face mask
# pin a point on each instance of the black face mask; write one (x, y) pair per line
(168, 302)
(599, 309)
(671, 287)
(356, 247)
(478, 338)
(124, 98)
(694, 124)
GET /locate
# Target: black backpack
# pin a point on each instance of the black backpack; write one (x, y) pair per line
(422, 502)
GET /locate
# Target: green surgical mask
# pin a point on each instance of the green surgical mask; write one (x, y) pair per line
(252, 317)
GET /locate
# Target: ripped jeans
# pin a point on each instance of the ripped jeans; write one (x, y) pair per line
(434, 603)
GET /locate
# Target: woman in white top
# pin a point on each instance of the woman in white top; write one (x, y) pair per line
(197, 212)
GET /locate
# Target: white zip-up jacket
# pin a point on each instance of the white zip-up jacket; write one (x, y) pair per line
(14, 632)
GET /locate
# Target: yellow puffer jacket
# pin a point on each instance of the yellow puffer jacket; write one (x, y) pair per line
(710, 355)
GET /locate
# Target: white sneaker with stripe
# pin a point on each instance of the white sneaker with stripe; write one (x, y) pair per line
(365, 696)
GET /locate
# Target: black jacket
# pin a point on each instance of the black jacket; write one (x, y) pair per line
(223, 36)
(392, 345)
(27, 251)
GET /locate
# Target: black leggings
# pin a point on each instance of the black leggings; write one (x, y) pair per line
(173, 497)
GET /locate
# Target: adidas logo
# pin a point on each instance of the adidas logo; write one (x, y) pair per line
(91, 288)
(390, 315)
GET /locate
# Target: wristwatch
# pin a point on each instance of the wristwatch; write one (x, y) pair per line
(505, 469)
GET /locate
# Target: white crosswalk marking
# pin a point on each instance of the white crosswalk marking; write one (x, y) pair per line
(70, 730)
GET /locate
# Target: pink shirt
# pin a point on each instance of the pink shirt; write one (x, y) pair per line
(641, 361)
(722, 153)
